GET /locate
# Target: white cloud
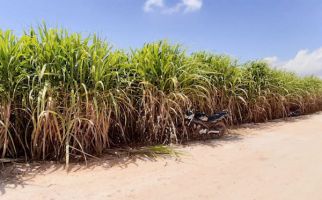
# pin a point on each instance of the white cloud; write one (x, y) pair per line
(181, 6)
(150, 5)
(272, 60)
(192, 5)
(305, 62)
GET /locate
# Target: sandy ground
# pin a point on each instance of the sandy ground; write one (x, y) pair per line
(276, 160)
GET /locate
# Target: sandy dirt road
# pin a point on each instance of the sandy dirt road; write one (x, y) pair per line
(276, 160)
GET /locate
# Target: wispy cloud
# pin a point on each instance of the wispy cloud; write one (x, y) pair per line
(305, 62)
(181, 6)
(150, 5)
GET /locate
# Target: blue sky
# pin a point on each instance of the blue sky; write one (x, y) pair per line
(282, 31)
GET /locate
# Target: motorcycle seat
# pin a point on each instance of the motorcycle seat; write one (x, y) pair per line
(217, 116)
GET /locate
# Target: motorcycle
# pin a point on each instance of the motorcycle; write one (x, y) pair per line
(206, 127)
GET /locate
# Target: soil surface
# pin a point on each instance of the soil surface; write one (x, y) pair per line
(275, 160)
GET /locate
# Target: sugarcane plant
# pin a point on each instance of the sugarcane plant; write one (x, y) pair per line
(64, 96)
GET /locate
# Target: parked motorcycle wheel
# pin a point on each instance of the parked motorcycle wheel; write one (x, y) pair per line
(219, 130)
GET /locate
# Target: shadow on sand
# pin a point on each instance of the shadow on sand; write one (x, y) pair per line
(13, 175)
(274, 123)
